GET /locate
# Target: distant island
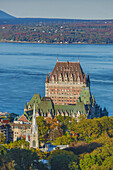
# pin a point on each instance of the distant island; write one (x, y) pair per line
(55, 31)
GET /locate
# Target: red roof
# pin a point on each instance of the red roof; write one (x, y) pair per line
(4, 121)
(23, 118)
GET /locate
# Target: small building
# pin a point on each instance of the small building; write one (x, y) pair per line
(6, 130)
(22, 120)
(21, 130)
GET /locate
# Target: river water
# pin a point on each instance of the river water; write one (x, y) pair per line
(23, 69)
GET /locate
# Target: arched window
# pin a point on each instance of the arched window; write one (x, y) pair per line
(29, 107)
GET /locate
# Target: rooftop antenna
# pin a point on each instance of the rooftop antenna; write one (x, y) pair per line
(57, 59)
(78, 59)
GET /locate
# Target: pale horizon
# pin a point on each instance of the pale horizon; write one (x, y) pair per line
(64, 9)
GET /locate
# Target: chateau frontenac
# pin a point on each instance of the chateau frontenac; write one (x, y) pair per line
(67, 93)
(65, 83)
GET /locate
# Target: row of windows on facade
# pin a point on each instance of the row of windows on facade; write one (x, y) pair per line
(71, 90)
(65, 78)
(65, 82)
(68, 103)
(22, 128)
(64, 98)
(64, 102)
(64, 93)
(63, 87)
(71, 68)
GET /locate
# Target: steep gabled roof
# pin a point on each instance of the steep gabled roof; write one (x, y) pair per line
(80, 107)
(64, 108)
(35, 99)
(71, 108)
(46, 105)
(68, 69)
(23, 118)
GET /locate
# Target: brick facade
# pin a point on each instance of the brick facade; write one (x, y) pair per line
(65, 82)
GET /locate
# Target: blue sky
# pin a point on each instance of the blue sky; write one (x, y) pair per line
(76, 9)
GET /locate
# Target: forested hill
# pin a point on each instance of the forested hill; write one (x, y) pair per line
(28, 21)
(55, 31)
(58, 33)
(4, 15)
(9, 19)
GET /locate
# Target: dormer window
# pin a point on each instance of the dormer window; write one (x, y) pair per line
(29, 107)
(60, 78)
(78, 80)
(52, 79)
(65, 78)
(71, 79)
(75, 78)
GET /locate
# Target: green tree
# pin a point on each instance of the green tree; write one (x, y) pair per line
(2, 138)
(12, 116)
(61, 159)
(89, 128)
(23, 159)
(73, 166)
(64, 140)
(42, 128)
(18, 144)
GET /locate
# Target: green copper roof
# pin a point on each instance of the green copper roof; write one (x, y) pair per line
(46, 106)
(71, 108)
(85, 95)
(35, 99)
(64, 108)
(80, 107)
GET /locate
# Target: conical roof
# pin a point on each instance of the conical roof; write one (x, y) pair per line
(34, 127)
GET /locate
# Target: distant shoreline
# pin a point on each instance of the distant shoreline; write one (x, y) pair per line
(34, 42)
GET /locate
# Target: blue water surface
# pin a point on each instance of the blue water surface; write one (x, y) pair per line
(23, 69)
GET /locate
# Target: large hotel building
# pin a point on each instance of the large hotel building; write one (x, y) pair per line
(65, 83)
(67, 93)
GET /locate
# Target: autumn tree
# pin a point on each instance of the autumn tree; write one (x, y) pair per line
(2, 138)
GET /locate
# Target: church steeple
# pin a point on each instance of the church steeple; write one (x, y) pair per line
(34, 142)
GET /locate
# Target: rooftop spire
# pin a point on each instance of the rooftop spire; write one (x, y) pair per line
(34, 124)
(78, 59)
(47, 80)
(34, 142)
(57, 59)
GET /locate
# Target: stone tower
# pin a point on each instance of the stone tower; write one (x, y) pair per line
(34, 142)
